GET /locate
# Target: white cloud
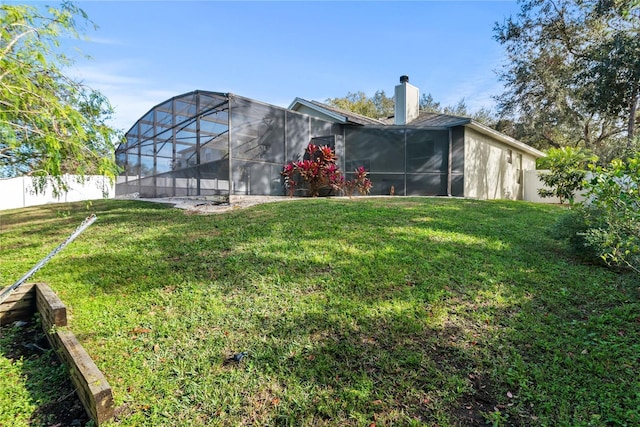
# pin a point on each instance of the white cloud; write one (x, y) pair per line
(105, 41)
(131, 96)
(104, 74)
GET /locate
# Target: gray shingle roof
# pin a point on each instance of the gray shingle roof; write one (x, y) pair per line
(438, 120)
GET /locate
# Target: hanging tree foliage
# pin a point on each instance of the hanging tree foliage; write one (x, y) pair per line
(50, 124)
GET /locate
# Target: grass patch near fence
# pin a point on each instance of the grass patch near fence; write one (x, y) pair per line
(376, 311)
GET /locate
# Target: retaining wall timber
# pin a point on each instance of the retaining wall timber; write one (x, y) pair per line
(91, 386)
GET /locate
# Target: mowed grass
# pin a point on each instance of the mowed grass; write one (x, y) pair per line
(376, 311)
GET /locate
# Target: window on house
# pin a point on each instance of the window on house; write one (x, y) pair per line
(509, 156)
(325, 140)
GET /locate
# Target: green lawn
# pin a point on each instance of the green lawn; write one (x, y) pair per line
(389, 311)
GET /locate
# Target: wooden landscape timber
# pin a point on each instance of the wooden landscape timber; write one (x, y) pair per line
(19, 305)
(91, 386)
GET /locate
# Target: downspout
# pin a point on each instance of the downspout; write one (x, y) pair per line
(286, 138)
(286, 152)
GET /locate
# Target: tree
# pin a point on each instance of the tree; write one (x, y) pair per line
(429, 105)
(379, 106)
(385, 107)
(483, 115)
(563, 57)
(611, 72)
(50, 124)
(567, 170)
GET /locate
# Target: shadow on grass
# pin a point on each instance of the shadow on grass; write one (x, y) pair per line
(41, 381)
(429, 310)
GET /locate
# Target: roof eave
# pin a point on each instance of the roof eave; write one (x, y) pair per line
(304, 102)
(486, 130)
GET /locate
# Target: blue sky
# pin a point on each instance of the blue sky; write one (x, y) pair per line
(147, 51)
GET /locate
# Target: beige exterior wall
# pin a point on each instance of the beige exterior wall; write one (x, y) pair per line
(487, 171)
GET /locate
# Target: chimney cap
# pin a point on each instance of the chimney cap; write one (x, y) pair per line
(404, 79)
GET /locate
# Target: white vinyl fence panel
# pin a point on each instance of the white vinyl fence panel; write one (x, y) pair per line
(532, 184)
(19, 192)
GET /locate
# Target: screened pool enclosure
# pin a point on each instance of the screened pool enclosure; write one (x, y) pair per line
(208, 143)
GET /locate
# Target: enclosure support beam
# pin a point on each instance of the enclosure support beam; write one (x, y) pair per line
(450, 166)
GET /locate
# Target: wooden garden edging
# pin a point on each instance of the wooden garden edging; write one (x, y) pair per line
(91, 386)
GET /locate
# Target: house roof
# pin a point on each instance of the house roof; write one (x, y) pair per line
(429, 120)
(424, 120)
(438, 120)
(343, 116)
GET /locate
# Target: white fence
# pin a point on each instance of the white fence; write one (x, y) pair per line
(532, 184)
(19, 192)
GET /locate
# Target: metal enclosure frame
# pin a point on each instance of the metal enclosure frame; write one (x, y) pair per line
(211, 143)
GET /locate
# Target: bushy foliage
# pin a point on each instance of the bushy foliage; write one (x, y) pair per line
(612, 213)
(318, 174)
(607, 223)
(359, 182)
(567, 169)
(572, 228)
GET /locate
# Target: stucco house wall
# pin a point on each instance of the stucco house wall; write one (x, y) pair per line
(488, 173)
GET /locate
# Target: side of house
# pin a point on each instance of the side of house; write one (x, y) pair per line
(494, 169)
(209, 143)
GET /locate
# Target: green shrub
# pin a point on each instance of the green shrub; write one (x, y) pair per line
(567, 169)
(607, 224)
(612, 213)
(572, 228)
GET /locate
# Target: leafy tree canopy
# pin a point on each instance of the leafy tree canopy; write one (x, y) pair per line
(382, 106)
(50, 124)
(573, 74)
(482, 115)
(378, 106)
